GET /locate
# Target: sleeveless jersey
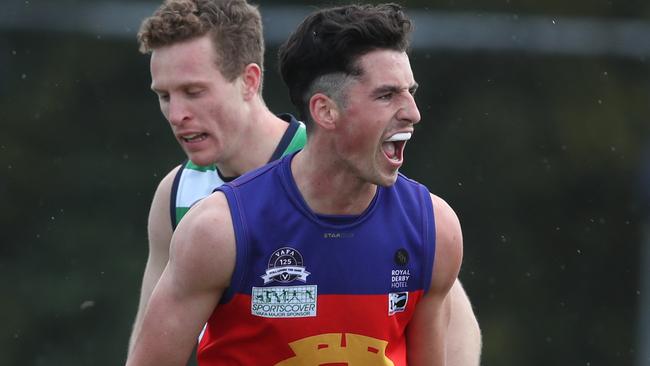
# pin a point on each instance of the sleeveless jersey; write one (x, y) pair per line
(193, 182)
(312, 289)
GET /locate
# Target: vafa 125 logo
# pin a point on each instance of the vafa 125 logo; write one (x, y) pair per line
(285, 265)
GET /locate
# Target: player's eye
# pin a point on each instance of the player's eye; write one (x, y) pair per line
(387, 96)
(194, 92)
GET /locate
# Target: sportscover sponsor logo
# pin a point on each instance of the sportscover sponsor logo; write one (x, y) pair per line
(284, 301)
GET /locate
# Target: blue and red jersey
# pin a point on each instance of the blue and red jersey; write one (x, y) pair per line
(312, 289)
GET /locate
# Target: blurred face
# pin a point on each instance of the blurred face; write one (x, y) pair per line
(201, 106)
(378, 117)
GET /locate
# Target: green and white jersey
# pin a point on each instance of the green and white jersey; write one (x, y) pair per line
(193, 182)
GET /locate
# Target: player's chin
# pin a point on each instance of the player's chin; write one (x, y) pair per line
(201, 158)
(387, 178)
(389, 170)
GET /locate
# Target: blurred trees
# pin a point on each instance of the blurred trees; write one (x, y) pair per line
(539, 156)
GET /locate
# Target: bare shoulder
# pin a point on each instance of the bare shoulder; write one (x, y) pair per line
(159, 226)
(159, 219)
(165, 184)
(447, 223)
(207, 217)
(203, 244)
(449, 244)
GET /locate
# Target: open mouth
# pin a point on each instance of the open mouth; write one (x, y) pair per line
(195, 137)
(394, 146)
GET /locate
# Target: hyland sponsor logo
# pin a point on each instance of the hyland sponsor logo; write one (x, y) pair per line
(399, 278)
(285, 265)
(397, 302)
(284, 301)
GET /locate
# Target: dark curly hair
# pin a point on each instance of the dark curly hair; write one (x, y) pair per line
(330, 41)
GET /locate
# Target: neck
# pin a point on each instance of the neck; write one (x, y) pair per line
(256, 145)
(327, 188)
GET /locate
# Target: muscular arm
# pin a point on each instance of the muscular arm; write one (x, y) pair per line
(201, 262)
(427, 331)
(159, 230)
(464, 340)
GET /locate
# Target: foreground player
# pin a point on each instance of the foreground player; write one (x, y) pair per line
(369, 243)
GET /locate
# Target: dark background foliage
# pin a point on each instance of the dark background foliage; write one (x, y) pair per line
(540, 154)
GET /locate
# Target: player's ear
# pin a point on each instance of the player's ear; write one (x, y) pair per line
(324, 111)
(252, 80)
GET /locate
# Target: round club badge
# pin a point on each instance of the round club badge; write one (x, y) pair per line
(401, 257)
(285, 265)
